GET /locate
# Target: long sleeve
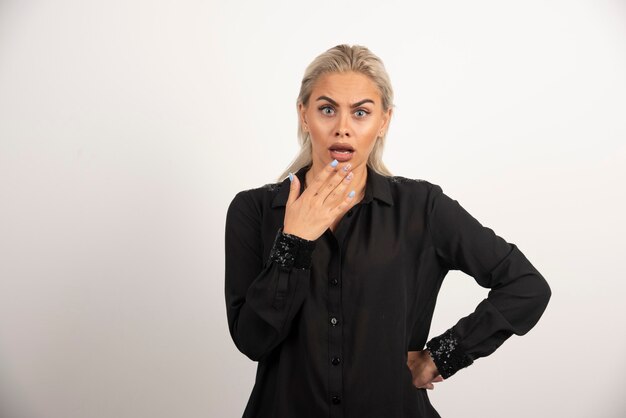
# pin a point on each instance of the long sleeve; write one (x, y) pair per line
(518, 293)
(262, 296)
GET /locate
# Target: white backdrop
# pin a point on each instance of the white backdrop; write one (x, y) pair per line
(126, 128)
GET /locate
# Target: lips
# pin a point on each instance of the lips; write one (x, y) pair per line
(341, 147)
(341, 152)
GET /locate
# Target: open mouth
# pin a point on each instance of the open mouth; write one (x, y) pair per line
(341, 152)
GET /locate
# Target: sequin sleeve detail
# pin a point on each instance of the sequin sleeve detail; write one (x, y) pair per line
(292, 251)
(447, 355)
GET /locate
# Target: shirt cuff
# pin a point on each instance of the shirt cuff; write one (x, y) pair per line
(292, 251)
(447, 354)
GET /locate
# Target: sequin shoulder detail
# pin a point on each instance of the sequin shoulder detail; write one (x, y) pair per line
(271, 186)
(400, 179)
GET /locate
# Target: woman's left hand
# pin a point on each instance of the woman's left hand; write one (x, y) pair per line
(423, 369)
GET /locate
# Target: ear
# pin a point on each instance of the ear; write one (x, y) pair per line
(302, 113)
(386, 119)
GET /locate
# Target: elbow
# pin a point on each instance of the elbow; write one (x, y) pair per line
(249, 349)
(540, 298)
(544, 293)
(245, 345)
(251, 352)
(524, 310)
(256, 341)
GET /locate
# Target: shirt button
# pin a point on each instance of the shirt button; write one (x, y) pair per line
(336, 400)
(334, 321)
(334, 281)
(336, 361)
(349, 213)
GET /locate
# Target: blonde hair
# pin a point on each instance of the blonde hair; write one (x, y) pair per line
(343, 58)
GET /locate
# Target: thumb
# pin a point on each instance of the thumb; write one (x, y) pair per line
(294, 188)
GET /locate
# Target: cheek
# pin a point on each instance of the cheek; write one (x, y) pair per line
(369, 138)
(322, 126)
(317, 145)
(367, 134)
(369, 127)
(321, 134)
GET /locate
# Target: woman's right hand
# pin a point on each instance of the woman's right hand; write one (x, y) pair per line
(324, 200)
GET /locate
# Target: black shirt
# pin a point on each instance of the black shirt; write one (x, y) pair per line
(330, 321)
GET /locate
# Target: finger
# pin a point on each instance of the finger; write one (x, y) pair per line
(294, 188)
(328, 190)
(439, 378)
(346, 203)
(427, 386)
(321, 178)
(340, 188)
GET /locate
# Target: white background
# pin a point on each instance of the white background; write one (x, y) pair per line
(126, 128)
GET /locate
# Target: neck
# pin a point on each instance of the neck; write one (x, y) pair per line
(357, 184)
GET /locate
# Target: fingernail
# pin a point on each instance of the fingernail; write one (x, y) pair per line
(290, 176)
(334, 163)
(347, 167)
(351, 194)
(349, 176)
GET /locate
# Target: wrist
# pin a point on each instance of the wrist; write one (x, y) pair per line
(293, 233)
(448, 354)
(292, 251)
(296, 234)
(431, 365)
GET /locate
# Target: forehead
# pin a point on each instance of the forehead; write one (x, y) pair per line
(346, 87)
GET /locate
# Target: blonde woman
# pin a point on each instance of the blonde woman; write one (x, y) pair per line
(332, 273)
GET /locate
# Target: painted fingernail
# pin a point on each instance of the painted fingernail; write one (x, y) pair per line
(347, 167)
(349, 176)
(351, 194)
(290, 176)
(334, 163)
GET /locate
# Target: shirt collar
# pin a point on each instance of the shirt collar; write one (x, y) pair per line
(376, 187)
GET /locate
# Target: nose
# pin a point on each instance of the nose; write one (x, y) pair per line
(342, 128)
(342, 132)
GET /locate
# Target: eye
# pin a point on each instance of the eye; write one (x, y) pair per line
(361, 113)
(327, 110)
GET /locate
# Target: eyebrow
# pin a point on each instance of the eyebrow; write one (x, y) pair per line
(357, 104)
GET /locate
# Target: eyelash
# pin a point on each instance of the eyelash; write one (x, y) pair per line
(321, 109)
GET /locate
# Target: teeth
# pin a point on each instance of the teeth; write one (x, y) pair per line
(342, 151)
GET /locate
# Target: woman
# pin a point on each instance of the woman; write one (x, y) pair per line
(332, 273)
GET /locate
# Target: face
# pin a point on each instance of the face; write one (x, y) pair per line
(344, 116)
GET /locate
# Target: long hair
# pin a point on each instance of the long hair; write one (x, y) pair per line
(343, 58)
